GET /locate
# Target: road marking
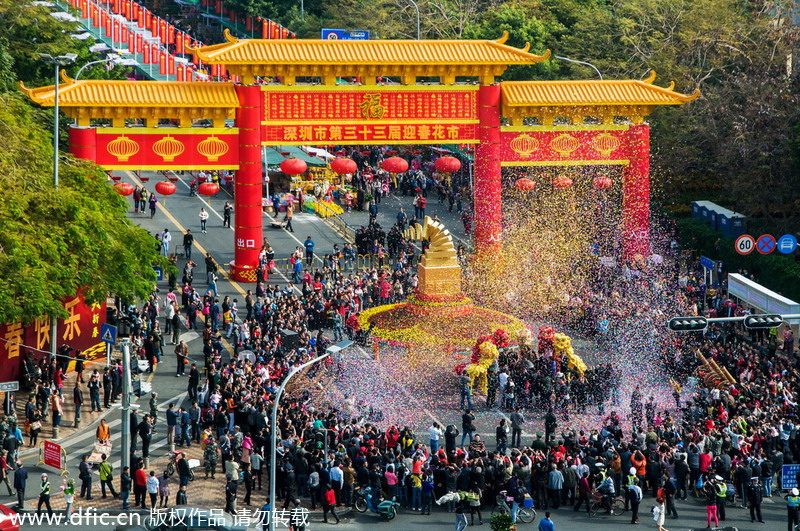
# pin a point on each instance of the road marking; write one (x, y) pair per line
(200, 248)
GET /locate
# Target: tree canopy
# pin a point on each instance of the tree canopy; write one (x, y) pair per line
(54, 243)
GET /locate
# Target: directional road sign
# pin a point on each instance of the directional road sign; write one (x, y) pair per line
(766, 243)
(745, 244)
(707, 262)
(787, 244)
(108, 334)
(9, 387)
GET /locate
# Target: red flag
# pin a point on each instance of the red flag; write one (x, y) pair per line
(162, 30)
(248, 23)
(171, 64)
(115, 31)
(139, 42)
(181, 73)
(148, 19)
(218, 7)
(84, 5)
(170, 34)
(264, 29)
(179, 44)
(162, 64)
(131, 41)
(106, 20)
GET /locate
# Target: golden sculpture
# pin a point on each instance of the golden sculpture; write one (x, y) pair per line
(438, 270)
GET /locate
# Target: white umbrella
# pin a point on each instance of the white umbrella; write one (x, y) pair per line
(247, 355)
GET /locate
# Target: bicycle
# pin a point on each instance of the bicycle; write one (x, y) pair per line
(617, 504)
(524, 514)
(172, 464)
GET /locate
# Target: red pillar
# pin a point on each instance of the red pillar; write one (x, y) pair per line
(636, 194)
(487, 179)
(248, 231)
(83, 142)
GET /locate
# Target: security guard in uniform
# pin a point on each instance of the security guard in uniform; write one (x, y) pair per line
(44, 496)
(793, 505)
(630, 480)
(722, 494)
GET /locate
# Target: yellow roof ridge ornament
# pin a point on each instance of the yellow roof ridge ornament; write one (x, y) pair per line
(503, 38)
(228, 36)
(65, 78)
(650, 77)
(677, 95)
(31, 93)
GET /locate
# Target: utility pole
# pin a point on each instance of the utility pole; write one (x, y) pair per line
(57, 62)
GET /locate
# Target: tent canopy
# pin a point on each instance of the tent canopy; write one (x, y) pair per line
(295, 151)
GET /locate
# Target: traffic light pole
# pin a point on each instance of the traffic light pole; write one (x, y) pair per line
(126, 404)
(751, 322)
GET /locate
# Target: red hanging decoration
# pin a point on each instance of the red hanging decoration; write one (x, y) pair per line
(144, 179)
(165, 188)
(562, 182)
(602, 183)
(116, 178)
(123, 188)
(343, 166)
(294, 166)
(173, 178)
(208, 189)
(395, 165)
(526, 185)
(447, 164)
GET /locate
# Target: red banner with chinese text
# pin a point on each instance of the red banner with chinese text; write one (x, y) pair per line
(380, 104)
(80, 330)
(573, 145)
(356, 115)
(145, 148)
(327, 134)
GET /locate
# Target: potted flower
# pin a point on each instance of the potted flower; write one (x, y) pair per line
(502, 522)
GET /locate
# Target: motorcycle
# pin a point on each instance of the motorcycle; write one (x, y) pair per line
(364, 499)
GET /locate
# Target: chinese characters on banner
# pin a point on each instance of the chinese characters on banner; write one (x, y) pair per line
(356, 116)
(51, 455)
(80, 330)
(521, 146)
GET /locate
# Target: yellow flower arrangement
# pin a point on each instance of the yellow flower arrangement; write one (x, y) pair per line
(477, 372)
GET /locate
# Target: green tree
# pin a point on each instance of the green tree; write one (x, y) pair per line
(56, 242)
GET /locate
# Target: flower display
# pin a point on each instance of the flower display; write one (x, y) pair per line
(562, 344)
(477, 372)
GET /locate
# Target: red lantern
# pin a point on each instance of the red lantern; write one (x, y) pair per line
(392, 152)
(447, 164)
(202, 178)
(173, 178)
(228, 178)
(208, 189)
(116, 178)
(144, 179)
(526, 185)
(366, 153)
(123, 188)
(602, 183)
(562, 182)
(294, 166)
(343, 166)
(165, 188)
(395, 165)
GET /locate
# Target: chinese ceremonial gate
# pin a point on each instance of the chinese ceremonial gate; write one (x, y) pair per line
(547, 123)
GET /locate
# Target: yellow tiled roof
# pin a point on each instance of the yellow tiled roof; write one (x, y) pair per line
(100, 93)
(369, 52)
(591, 93)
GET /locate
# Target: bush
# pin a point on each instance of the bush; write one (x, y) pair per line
(778, 272)
(500, 522)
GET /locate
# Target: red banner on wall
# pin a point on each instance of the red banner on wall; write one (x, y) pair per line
(416, 133)
(376, 104)
(535, 146)
(80, 330)
(156, 148)
(51, 455)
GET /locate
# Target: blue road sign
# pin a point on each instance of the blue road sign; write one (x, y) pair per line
(707, 262)
(345, 35)
(787, 244)
(766, 243)
(159, 273)
(789, 477)
(108, 334)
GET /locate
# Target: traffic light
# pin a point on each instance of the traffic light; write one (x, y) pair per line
(763, 321)
(688, 324)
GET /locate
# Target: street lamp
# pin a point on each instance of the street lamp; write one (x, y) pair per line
(590, 65)
(57, 62)
(273, 436)
(413, 3)
(112, 58)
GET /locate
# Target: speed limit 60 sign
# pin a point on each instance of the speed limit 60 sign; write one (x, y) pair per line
(745, 244)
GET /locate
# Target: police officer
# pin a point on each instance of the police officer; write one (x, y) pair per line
(755, 495)
(630, 480)
(722, 493)
(44, 496)
(793, 504)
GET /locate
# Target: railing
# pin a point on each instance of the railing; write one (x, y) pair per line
(341, 227)
(361, 262)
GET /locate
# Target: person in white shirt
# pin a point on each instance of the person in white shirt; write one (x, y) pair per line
(152, 489)
(166, 237)
(203, 219)
(435, 432)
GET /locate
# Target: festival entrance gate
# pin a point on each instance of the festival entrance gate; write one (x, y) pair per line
(293, 93)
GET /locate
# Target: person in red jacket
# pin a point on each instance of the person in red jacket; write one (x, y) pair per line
(140, 487)
(329, 503)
